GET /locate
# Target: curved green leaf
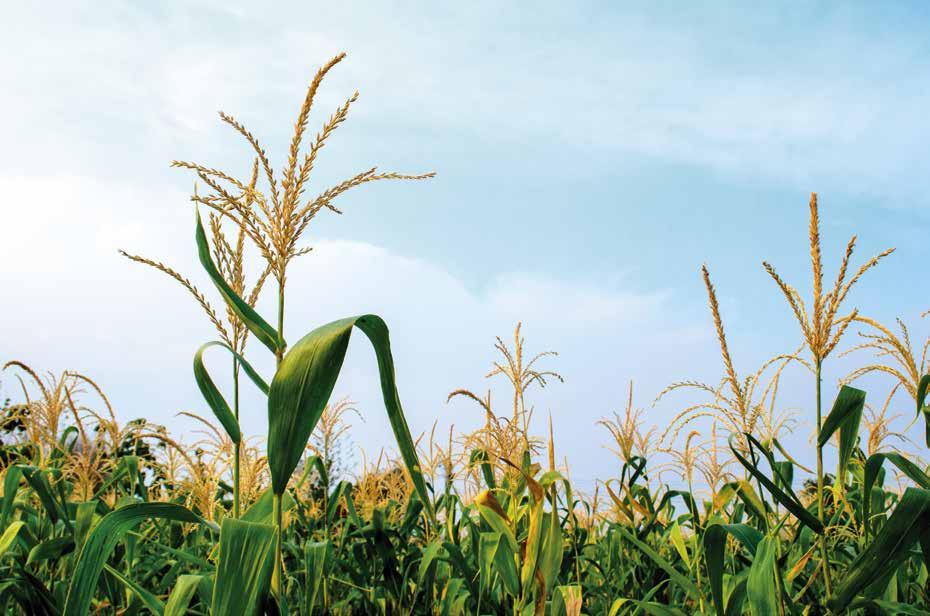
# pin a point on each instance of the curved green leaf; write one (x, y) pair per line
(872, 569)
(788, 499)
(260, 328)
(51, 549)
(212, 395)
(714, 541)
(101, 541)
(150, 601)
(872, 467)
(888, 607)
(676, 576)
(845, 416)
(303, 384)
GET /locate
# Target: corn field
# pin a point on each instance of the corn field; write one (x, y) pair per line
(103, 517)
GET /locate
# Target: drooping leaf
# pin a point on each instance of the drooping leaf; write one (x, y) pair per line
(889, 607)
(302, 387)
(212, 395)
(787, 499)
(872, 467)
(101, 541)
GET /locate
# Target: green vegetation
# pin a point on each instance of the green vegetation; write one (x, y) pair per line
(124, 519)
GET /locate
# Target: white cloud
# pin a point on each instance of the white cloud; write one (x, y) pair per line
(626, 85)
(78, 305)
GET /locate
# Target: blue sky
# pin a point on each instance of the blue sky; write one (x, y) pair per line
(590, 158)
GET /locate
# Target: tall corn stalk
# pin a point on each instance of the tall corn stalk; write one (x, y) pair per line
(822, 329)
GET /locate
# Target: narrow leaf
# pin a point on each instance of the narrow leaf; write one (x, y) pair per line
(260, 328)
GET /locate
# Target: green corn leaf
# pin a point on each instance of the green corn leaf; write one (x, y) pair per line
(150, 601)
(10, 533)
(314, 463)
(676, 576)
(342, 489)
(788, 499)
(10, 490)
(845, 416)
(505, 566)
(38, 481)
(737, 596)
(457, 559)
(51, 549)
(678, 541)
(487, 550)
(317, 562)
(182, 594)
(454, 596)
(496, 556)
(888, 607)
(262, 510)
(101, 541)
(212, 395)
(761, 587)
(714, 541)
(480, 457)
(260, 328)
(649, 607)
(550, 557)
(871, 570)
(243, 575)
(302, 387)
(498, 523)
(428, 560)
(533, 543)
(922, 388)
(83, 520)
(872, 467)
